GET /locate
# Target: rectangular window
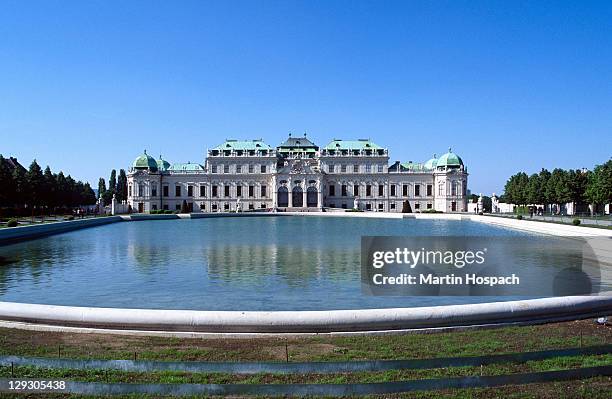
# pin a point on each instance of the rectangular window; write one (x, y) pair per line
(330, 168)
(141, 190)
(130, 190)
(343, 205)
(343, 168)
(344, 194)
(429, 190)
(381, 190)
(429, 206)
(238, 191)
(380, 207)
(238, 168)
(332, 190)
(368, 168)
(202, 191)
(202, 206)
(393, 205)
(214, 206)
(190, 191)
(213, 168)
(263, 192)
(417, 190)
(405, 190)
(356, 190)
(251, 206)
(154, 190)
(250, 168)
(380, 168)
(251, 191)
(368, 207)
(263, 168)
(177, 191)
(226, 191)
(226, 206)
(355, 168)
(262, 206)
(417, 206)
(215, 191)
(166, 207)
(368, 190)
(225, 168)
(177, 207)
(393, 190)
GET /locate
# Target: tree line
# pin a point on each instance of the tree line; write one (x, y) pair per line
(25, 191)
(116, 186)
(561, 187)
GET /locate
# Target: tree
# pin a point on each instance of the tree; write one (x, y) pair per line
(7, 184)
(101, 188)
(577, 182)
(557, 190)
(515, 190)
(49, 188)
(62, 194)
(88, 196)
(122, 186)
(35, 182)
(21, 186)
(599, 186)
(112, 187)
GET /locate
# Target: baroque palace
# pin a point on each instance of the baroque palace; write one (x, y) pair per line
(242, 175)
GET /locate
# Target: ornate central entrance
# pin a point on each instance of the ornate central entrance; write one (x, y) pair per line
(297, 197)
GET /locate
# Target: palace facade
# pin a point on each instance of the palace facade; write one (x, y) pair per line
(242, 175)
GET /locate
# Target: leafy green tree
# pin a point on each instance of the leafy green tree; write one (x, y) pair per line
(577, 182)
(599, 186)
(101, 188)
(49, 188)
(21, 186)
(112, 187)
(122, 186)
(515, 190)
(8, 186)
(36, 185)
(62, 194)
(88, 196)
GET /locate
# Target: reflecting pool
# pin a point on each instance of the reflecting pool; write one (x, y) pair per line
(270, 263)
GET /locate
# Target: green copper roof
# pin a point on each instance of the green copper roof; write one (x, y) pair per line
(186, 167)
(413, 166)
(244, 145)
(145, 161)
(432, 163)
(361, 144)
(162, 164)
(449, 159)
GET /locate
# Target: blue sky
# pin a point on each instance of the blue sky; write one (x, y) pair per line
(86, 86)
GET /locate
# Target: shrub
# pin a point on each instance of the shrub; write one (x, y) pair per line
(576, 222)
(69, 217)
(12, 223)
(519, 217)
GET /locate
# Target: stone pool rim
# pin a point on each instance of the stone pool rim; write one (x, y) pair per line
(282, 323)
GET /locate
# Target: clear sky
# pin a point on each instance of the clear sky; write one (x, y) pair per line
(85, 86)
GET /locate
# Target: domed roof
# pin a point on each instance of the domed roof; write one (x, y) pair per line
(450, 159)
(162, 164)
(145, 161)
(431, 164)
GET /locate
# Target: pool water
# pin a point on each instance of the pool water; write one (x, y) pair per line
(271, 263)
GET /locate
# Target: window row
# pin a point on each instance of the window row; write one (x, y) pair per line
(248, 191)
(393, 188)
(238, 169)
(356, 168)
